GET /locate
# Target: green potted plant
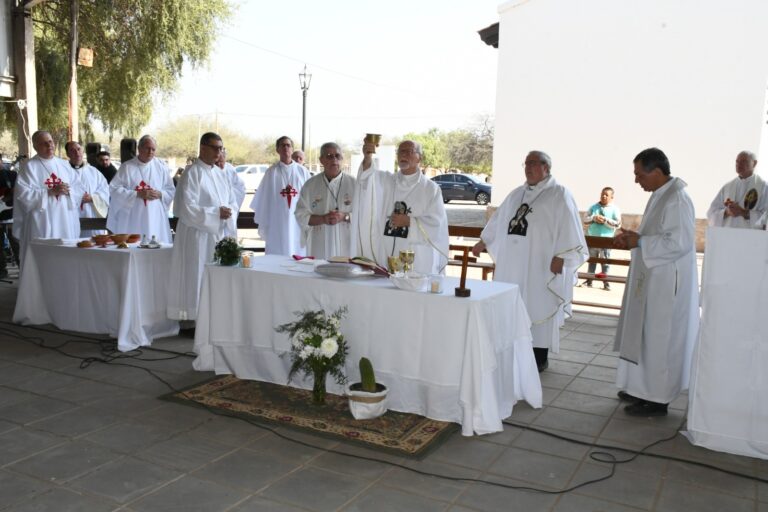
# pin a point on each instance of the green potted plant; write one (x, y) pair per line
(367, 398)
(227, 251)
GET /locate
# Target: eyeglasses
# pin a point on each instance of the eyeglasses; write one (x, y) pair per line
(215, 148)
(409, 151)
(337, 156)
(532, 163)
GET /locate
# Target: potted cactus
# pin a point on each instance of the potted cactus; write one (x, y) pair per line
(367, 398)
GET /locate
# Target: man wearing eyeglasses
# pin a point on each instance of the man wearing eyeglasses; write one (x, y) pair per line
(274, 203)
(537, 242)
(141, 194)
(417, 221)
(206, 205)
(325, 203)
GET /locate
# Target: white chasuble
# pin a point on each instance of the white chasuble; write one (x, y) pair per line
(659, 312)
(128, 213)
(533, 225)
(274, 208)
(319, 196)
(92, 182)
(370, 209)
(749, 193)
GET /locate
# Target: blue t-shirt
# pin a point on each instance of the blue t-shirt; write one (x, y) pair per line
(612, 220)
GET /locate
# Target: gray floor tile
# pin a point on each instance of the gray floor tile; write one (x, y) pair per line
(573, 356)
(524, 413)
(713, 480)
(34, 408)
(316, 489)
(555, 380)
(571, 421)
(607, 361)
(444, 489)
(593, 339)
(20, 443)
(14, 374)
(504, 438)
(548, 395)
(76, 422)
(468, 452)
(542, 443)
(489, 498)
(47, 382)
(564, 367)
(86, 391)
(10, 396)
(591, 404)
(272, 444)
(602, 373)
(593, 387)
(185, 452)
(125, 479)
(635, 433)
(170, 414)
(246, 470)
(536, 468)
(261, 504)
(628, 488)
(573, 342)
(676, 496)
(229, 431)
(132, 435)
(362, 468)
(15, 488)
(578, 503)
(189, 494)
(378, 499)
(6, 426)
(130, 404)
(64, 500)
(66, 462)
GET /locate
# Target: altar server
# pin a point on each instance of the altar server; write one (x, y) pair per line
(205, 204)
(235, 181)
(742, 202)
(46, 199)
(417, 221)
(324, 207)
(274, 203)
(141, 194)
(537, 241)
(659, 312)
(95, 201)
(370, 207)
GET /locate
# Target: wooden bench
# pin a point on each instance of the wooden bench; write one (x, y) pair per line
(598, 242)
(456, 251)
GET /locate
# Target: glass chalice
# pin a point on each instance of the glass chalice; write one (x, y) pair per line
(406, 257)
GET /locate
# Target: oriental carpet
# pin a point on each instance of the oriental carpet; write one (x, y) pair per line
(398, 433)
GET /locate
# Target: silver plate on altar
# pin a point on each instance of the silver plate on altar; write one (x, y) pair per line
(342, 270)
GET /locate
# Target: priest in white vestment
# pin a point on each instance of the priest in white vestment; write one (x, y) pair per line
(370, 208)
(660, 310)
(95, 201)
(235, 182)
(417, 221)
(536, 240)
(742, 202)
(204, 204)
(324, 207)
(141, 195)
(274, 203)
(46, 199)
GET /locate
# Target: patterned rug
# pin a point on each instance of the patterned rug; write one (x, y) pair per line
(399, 433)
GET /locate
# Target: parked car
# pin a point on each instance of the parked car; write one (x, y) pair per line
(463, 187)
(251, 174)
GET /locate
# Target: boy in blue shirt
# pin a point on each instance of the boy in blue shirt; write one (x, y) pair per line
(603, 219)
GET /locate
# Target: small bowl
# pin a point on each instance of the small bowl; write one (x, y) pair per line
(132, 239)
(119, 239)
(101, 239)
(412, 282)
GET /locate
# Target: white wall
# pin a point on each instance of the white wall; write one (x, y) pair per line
(593, 82)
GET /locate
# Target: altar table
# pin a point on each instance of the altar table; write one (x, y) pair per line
(120, 292)
(464, 360)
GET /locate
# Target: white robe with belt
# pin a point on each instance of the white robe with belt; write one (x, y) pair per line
(428, 232)
(274, 208)
(370, 209)
(660, 309)
(127, 211)
(318, 197)
(554, 228)
(91, 181)
(736, 190)
(36, 213)
(201, 191)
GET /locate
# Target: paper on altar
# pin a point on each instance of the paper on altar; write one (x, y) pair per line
(57, 241)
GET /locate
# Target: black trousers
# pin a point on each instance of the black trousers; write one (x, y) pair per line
(541, 355)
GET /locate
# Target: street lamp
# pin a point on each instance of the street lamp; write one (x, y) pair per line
(304, 80)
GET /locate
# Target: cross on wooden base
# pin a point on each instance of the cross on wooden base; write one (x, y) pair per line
(462, 291)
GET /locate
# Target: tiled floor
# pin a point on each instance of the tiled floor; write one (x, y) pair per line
(96, 438)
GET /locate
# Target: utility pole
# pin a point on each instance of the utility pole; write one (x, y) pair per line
(304, 80)
(73, 128)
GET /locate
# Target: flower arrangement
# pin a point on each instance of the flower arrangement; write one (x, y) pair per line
(227, 251)
(317, 348)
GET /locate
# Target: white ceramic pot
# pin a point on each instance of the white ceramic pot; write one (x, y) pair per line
(366, 406)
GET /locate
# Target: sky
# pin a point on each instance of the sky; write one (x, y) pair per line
(377, 67)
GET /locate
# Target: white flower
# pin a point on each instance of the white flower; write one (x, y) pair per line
(329, 347)
(297, 343)
(306, 352)
(335, 322)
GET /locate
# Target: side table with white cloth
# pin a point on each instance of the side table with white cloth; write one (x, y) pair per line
(120, 292)
(728, 408)
(452, 359)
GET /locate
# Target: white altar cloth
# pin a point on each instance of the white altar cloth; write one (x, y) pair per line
(728, 409)
(462, 360)
(120, 292)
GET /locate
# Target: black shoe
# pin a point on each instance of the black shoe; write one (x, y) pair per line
(588, 284)
(188, 332)
(607, 287)
(3, 273)
(646, 409)
(623, 395)
(542, 366)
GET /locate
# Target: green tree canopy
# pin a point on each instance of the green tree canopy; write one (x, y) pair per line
(139, 46)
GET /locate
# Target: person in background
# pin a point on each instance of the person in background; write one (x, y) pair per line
(603, 219)
(104, 165)
(742, 202)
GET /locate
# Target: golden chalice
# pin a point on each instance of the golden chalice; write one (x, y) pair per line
(407, 256)
(372, 138)
(394, 264)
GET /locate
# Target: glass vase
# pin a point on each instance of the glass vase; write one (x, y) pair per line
(318, 387)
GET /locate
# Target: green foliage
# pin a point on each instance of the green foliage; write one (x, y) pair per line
(227, 251)
(367, 377)
(139, 48)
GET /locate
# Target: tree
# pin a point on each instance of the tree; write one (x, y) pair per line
(139, 49)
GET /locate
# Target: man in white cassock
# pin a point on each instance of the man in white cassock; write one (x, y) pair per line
(370, 208)
(95, 201)
(274, 203)
(324, 207)
(417, 221)
(46, 199)
(659, 317)
(205, 204)
(235, 181)
(742, 202)
(141, 195)
(537, 241)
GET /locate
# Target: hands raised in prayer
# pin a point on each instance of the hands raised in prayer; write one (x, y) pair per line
(732, 209)
(86, 198)
(149, 194)
(224, 212)
(60, 189)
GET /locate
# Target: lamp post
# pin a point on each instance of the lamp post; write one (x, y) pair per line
(304, 80)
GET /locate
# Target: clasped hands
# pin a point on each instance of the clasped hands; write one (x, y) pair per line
(224, 212)
(626, 239)
(334, 217)
(149, 194)
(399, 220)
(59, 189)
(732, 209)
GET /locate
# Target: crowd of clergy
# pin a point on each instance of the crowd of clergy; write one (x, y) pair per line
(535, 237)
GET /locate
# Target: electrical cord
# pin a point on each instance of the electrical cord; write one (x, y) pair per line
(603, 457)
